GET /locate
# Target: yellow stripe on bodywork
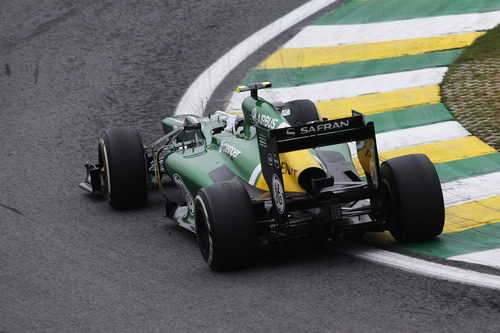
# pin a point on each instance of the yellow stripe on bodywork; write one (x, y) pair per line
(321, 56)
(380, 102)
(290, 184)
(473, 214)
(439, 152)
(293, 163)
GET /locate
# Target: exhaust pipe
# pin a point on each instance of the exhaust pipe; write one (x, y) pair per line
(303, 166)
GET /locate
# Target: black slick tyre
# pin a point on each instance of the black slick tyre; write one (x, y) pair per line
(413, 197)
(124, 173)
(225, 226)
(302, 111)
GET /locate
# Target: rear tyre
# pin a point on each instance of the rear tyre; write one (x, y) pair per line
(225, 226)
(301, 111)
(413, 197)
(124, 173)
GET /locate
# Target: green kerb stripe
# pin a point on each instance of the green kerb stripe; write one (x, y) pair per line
(288, 77)
(468, 167)
(410, 117)
(453, 244)
(357, 12)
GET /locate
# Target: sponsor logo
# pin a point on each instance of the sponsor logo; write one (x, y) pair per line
(317, 128)
(185, 192)
(276, 161)
(278, 194)
(288, 170)
(229, 149)
(264, 120)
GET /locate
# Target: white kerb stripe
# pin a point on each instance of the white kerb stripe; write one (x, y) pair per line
(422, 267)
(334, 35)
(488, 258)
(471, 189)
(348, 88)
(416, 136)
(199, 92)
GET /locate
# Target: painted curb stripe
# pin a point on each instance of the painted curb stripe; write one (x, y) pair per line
(423, 267)
(288, 77)
(357, 12)
(417, 136)
(320, 56)
(488, 258)
(421, 135)
(466, 190)
(439, 152)
(448, 245)
(349, 88)
(409, 117)
(334, 35)
(472, 214)
(380, 102)
(468, 167)
(445, 151)
(199, 92)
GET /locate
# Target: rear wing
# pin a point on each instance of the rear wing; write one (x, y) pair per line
(311, 135)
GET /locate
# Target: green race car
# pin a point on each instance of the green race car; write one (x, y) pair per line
(275, 172)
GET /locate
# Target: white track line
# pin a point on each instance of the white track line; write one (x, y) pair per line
(423, 267)
(333, 35)
(471, 189)
(348, 88)
(416, 136)
(489, 258)
(197, 95)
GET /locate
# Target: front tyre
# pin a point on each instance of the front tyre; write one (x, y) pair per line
(413, 197)
(123, 168)
(225, 226)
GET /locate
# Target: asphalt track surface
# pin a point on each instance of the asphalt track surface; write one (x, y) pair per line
(69, 263)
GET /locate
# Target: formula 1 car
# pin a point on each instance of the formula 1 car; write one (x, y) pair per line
(276, 172)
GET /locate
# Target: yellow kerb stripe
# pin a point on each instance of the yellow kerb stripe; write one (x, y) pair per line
(439, 152)
(380, 102)
(460, 217)
(321, 56)
(472, 215)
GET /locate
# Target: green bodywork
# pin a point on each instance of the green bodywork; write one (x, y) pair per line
(219, 146)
